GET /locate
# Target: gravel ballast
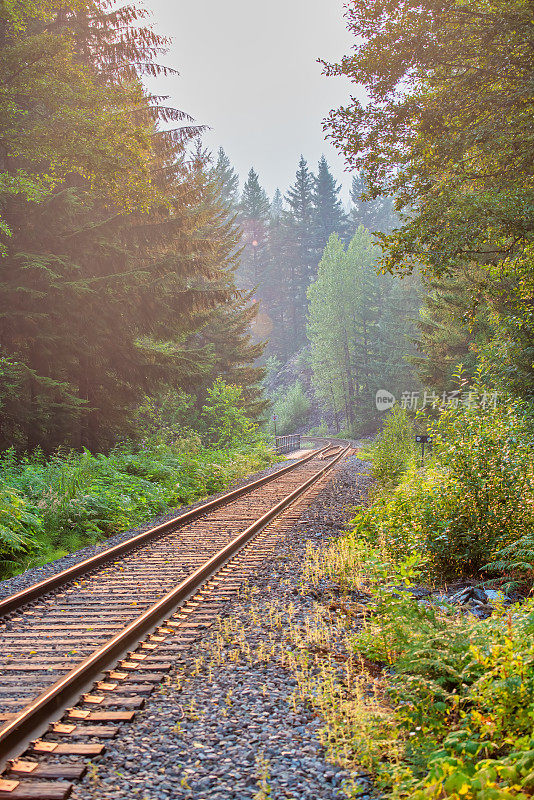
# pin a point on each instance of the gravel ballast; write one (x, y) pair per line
(226, 726)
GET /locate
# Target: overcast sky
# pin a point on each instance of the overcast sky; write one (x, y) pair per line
(248, 70)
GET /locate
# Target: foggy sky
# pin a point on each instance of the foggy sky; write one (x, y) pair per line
(248, 70)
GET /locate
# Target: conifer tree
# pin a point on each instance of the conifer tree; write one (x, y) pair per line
(233, 354)
(228, 180)
(254, 203)
(277, 207)
(329, 216)
(60, 116)
(220, 344)
(254, 211)
(275, 291)
(375, 215)
(301, 255)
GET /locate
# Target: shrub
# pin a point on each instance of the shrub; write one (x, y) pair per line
(224, 419)
(461, 700)
(319, 430)
(472, 507)
(291, 408)
(393, 451)
(487, 455)
(451, 715)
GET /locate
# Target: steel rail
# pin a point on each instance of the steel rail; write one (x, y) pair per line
(15, 601)
(331, 442)
(33, 720)
(330, 450)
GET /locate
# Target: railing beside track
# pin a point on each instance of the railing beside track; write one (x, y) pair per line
(286, 444)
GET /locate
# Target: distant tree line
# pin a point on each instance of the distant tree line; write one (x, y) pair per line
(284, 239)
(337, 331)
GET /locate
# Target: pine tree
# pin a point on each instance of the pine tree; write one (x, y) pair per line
(277, 207)
(233, 353)
(222, 346)
(254, 209)
(301, 257)
(254, 203)
(228, 180)
(60, 115)
(329, 216)
(275, 292)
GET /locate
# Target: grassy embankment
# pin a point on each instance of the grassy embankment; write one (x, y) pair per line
(50, 507)
(435, 703)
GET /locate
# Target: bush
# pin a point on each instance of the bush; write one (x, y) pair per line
(291, 408)
(224, 419)
(473, 506)
(319, 430)
(393, 451)
(488, 458)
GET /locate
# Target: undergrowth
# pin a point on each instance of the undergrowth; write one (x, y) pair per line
(50, 507)
(432, 702)
(470, 510)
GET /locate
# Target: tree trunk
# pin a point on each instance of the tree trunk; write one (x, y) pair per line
(88, 428)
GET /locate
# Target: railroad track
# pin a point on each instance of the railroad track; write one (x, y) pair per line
(82, 650)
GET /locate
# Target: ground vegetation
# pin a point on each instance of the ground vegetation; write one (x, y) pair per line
(51, 506)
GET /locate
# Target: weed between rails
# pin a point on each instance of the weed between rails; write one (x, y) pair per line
(263, 775)
(316, 649)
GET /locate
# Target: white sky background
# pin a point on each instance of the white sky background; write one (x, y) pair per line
(248, 70)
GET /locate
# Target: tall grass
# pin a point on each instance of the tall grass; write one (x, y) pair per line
(51, 507)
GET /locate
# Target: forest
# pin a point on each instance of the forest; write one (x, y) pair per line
(161, 317)
(150, 306)
(133, 265)
(145, 283)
